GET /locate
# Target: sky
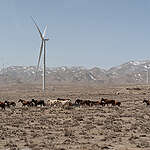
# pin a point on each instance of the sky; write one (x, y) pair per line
(89, 33)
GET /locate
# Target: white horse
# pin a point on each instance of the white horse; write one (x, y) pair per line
(58, 102)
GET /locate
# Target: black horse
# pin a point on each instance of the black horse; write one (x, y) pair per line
(8, 104)
(2, 105)
(38, 102)
(78, 101)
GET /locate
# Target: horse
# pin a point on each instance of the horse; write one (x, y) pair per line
(102, 103)
(87, 103)
(52, 102)
(64, 102)
(107, 101)
(2, 105)
(8, 104)
(67, 105)
(25, 103)
(84, 102)
(38, 102)
(146, 101)
(78, 101)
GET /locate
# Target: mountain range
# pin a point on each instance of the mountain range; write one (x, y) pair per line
(132, 72)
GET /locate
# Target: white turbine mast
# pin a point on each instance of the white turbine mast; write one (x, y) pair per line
(147, 70)
(43, 47)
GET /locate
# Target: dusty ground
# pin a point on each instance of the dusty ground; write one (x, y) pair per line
(77, 128)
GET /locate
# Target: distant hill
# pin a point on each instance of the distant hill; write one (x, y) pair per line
(129, 72)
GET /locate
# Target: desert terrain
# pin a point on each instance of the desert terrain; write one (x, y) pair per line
(75, 128)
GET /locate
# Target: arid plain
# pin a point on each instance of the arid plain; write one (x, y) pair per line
(75, 128)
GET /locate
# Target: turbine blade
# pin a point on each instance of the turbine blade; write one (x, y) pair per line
(41, 48)
(39, 59)
(44, 31)
(37, 27)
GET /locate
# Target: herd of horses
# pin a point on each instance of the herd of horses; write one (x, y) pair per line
(102, 102)
(59, 102)
(31, 103)
(64, 102)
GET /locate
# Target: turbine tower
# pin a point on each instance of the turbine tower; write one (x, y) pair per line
(147, 70)
(43, 47)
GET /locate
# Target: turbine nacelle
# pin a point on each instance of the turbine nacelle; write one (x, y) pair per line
(46, 39)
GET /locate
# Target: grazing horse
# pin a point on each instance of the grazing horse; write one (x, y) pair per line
(67, 104)
(2, 105)
(84, 102)
(38, 102)
(146, 101)
(25, 103)
(63, 102)
(107, 101)
(78, 101)
(8, 104)
(52, 102)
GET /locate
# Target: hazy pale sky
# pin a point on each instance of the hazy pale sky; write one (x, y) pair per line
(89, 33)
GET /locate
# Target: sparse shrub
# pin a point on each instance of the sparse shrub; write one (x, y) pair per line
(67, 132)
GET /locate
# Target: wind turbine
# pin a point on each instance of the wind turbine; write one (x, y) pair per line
(43, 47)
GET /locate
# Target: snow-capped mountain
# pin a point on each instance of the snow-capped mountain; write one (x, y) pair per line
(130, 72)
(58, 74)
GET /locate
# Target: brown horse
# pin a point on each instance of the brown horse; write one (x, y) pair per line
(25, 103)
(107, 101)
